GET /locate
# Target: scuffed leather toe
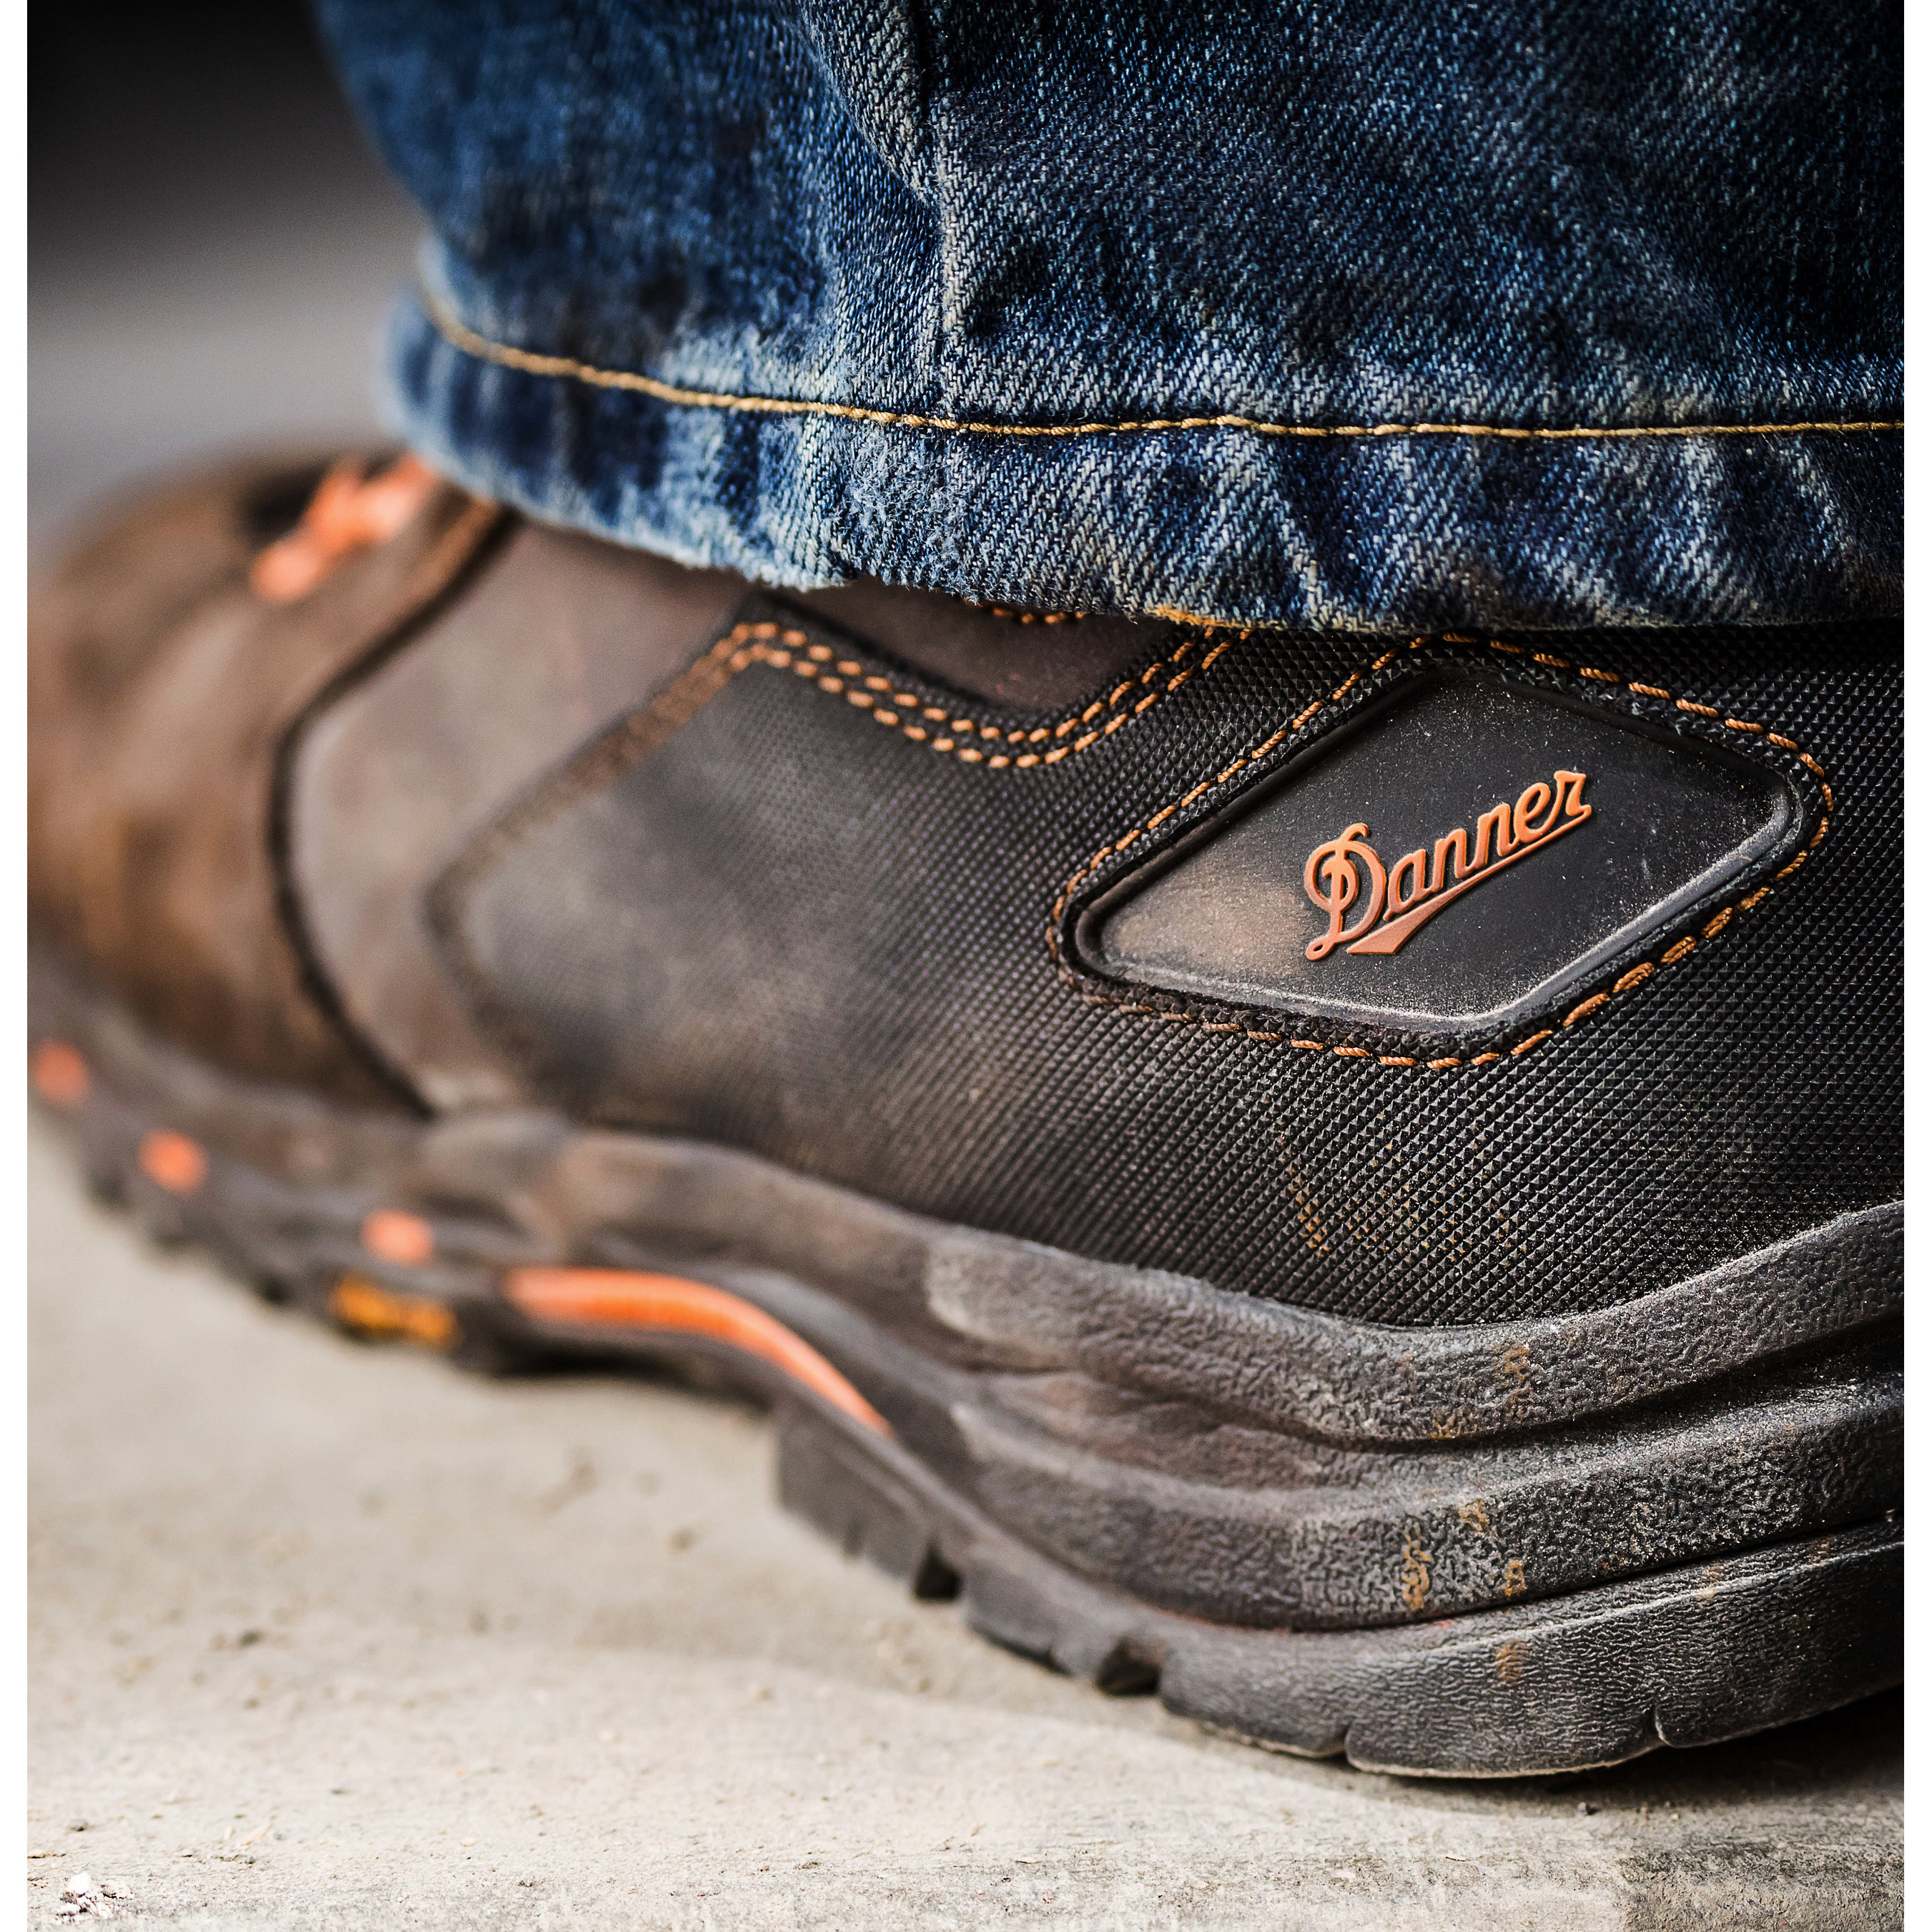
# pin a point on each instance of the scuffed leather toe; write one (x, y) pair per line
(162, 688)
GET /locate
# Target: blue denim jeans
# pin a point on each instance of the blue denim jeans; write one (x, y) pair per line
(1367, 312)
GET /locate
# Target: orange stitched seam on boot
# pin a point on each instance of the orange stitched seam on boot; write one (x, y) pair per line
(348, 513)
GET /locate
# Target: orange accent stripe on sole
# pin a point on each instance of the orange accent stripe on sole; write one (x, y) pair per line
(59, 1074)
(173, 1161)
(670, 1305)
(377, 1313)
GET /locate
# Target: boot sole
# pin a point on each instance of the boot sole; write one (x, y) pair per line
(1472, 1552)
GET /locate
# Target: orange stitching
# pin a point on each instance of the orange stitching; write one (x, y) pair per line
(532, 362)
(767, 643)
(1028, 616)
(1627, 982)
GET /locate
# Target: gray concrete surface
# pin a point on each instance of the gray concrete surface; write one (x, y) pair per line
(329, 1635)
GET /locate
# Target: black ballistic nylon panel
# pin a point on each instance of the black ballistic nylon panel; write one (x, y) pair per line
(789, 930)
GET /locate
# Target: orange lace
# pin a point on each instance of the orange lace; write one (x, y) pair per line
(350, 512)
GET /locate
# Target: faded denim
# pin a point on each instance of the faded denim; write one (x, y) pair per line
(1422, 225)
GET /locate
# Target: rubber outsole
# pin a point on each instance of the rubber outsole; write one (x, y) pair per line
(1575, 1681)
(1288, 1589)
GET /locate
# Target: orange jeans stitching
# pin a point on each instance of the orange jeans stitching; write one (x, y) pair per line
(532, 363)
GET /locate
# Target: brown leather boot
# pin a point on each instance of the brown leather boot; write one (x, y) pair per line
(1354, 1179)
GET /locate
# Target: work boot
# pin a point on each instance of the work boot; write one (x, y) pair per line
(1351, 1179)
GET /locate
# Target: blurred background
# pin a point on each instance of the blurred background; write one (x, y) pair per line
(213, 245)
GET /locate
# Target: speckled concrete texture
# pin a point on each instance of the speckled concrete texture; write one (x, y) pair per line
(329, 1636)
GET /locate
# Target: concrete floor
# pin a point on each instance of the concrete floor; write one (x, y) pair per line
(329, 1636)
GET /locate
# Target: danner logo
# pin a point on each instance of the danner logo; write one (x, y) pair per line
(1347, 872)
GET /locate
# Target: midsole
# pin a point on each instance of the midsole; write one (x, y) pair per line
(1225, 1458)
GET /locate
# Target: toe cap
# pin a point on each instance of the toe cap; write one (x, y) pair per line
(163, 689)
